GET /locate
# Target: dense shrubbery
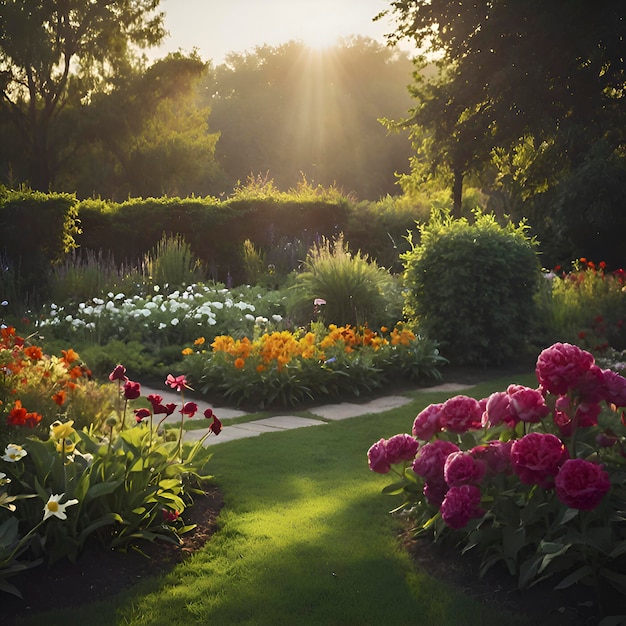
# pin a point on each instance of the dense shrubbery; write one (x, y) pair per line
(471, 286)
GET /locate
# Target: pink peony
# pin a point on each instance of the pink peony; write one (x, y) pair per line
(461, 468)
(615, 388)
(497, 410)
(536, 458)
(496, 455)
(435, 491)
(527, 405)
(427, 423)
(431, 458)
(401, 448)
(460, 505)
(586, 415)
(581, 484)
(561, 367)
(177, 382)
(377, 457)
(592, 386)
(461, 413)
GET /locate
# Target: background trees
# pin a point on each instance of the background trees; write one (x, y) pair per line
(540, 86)
(53, 56)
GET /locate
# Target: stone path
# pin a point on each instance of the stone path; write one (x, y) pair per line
(320, 415)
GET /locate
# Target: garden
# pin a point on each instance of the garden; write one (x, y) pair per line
(524, 476)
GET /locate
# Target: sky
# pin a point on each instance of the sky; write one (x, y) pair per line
(217, 27)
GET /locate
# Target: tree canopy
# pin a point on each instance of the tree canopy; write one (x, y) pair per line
(541, 85)
(55, 55)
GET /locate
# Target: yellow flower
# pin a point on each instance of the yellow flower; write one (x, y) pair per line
(61, 430)
(199, 341)
(187, 351)
(65, 446)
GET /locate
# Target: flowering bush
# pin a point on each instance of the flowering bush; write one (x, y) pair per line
(287, 367)
(535, 478)
(118, 479)
(585, 305)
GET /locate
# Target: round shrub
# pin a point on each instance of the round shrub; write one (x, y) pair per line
(471, 286)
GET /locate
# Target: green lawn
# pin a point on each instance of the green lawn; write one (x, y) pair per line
(305, 538)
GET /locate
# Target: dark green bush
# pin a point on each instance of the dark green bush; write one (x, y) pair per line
(471, 286)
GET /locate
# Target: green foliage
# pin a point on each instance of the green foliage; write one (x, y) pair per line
(355, 290)
(470, 286)
(584, 306)
(172, 264)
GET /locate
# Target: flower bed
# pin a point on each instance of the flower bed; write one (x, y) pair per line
(117, 479)
(532, 478)
(285, 367)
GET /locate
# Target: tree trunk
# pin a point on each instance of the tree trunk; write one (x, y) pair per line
(457, 194)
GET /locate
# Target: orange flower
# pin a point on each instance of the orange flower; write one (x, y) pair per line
(199, 341)
(33, 352)
(76, 372)
(187, 351)
(59, 398)
(239, 363)
(260, 368)
(69, 356)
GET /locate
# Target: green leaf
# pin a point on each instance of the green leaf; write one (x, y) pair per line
(616, 579)
(575, 577)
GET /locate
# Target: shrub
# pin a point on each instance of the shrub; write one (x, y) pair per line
(354, 289)
(470, 286)
(172, 264)
(530, 478)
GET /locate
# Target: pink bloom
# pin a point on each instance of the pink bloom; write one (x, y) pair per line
(586, 415)
(461, 468)
(189, 409)
(561, 367)
(118, 373)
(536, 458)
(435, 491)
(581, 484)
(497, 409)
(427, 422)
(460, 414)
(401, 448)
(496, 455)
(615, 387)
(592, 386)
(170, 516)
(141, 414)
(132, 390)
(176, 382)
(527, 405)
(431, 458)
(460, 505)
(377, 457)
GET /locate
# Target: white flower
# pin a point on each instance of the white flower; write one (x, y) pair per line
(277, 318)
(249, 317)
(3, 479)
(162, 326)
(174, 321)
(260, 320)
(13, 453)
(54, 507)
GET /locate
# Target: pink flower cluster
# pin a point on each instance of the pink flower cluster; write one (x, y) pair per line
(571, 388)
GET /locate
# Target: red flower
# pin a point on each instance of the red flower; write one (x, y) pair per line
(536, 458)
(59, 398)
(17, 415)
(132, 390)
(155, 400)
(161, 409)
(33, 352)
(208, 413)
(141, 414)
(189, 409)
(581, 484)
(118, 373)
(216, 426)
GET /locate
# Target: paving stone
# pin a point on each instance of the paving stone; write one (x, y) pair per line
(345, 410)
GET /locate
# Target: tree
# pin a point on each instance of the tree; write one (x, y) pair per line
(147, 136)
(548, 73)
(291, 111)
(55, 54)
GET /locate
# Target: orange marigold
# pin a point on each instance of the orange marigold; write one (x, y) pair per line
(69, 356)
(239, 363)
